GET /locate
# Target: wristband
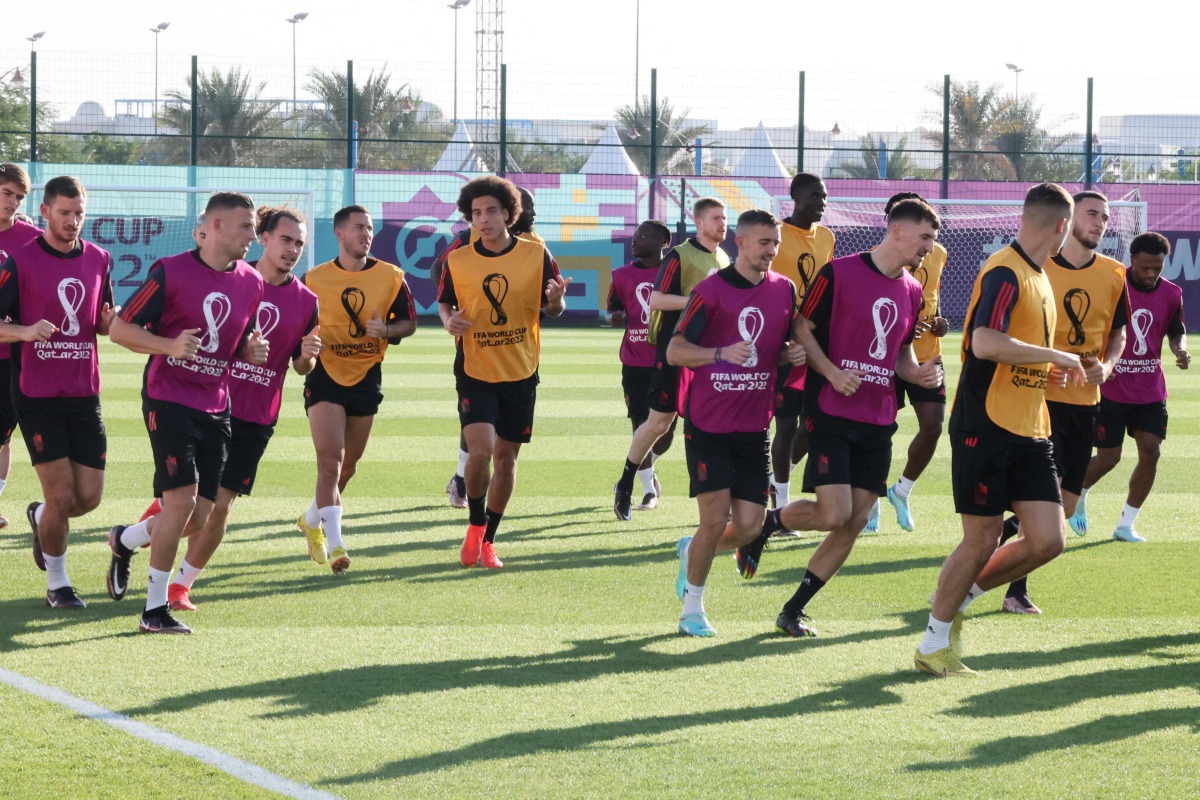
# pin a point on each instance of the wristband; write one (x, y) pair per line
(717, 357)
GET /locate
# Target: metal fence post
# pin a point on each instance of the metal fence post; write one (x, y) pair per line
(945, 137)
(194, 148)
(33, 107)
(503, 119)
(350, 116)
(1087, 141)
(653, 139)
(800, 129)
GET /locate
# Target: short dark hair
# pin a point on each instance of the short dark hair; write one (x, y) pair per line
(13, 173)
(267, 218)
(343, 214)
(1047, 203)
(897, 197)
(228, 200)
(63, 186)
(754, 218)
(660, 228)
(704, 204)
(800, 180)
(1151, 243)
(1089, 194)
(504, 190)
(914, 211)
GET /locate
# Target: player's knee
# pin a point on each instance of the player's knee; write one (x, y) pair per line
(1048, 548)
(930, 431)
(85, 502)
(832, 518)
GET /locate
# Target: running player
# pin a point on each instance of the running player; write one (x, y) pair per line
(858, 317)
(287, 317)
(1089, 292)
(732, 336)
(365, 306)
(928, 404)
(491, 296)
(14, 187)
(805, 247)
(194, 314)
(686, 265)
(629, 306)
(523, 229)
(1135, 399)
(57, 289)
(1001, 455)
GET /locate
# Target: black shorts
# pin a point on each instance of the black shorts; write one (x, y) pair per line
(843, 452)
(507, 406)
(1071, 431)
(360, 400)
(8, 414)
(635, 383)
(247, 444)
(991, 471)
(788, 402)
(919, 394)
(63, 427)
(739, 462)
(189, 447)
(663, 395)
(1114, 419)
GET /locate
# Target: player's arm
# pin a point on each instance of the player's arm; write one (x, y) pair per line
(615, 310)
(108, 307)
(816, 311)
(453, 319)
(793, 351)
(990, 341)
(668, 286)
(304, 357)
(40, 331)
(439, 263)
(1177, 339)
(555, 301)
(401, 318)
(145, 308)
(684, 351)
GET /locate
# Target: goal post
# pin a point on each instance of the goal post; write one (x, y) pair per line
(140, 224)
(972, 231)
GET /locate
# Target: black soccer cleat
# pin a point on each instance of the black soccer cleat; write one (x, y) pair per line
(622, 504)
(64, 598)
(117, 577)
(38, 557)
(795, 625)
(749, 555)
(159, 620)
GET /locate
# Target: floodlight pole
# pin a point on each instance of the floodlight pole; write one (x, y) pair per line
(295, 20)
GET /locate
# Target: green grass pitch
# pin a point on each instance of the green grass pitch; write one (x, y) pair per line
(561, 676)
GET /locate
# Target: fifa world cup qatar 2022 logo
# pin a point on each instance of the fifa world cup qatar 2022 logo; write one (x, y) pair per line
(1141, 320)
(884, 315)
(750, 326)
(1076, 304)
(266, 318)
(495, 289)
(643, 292)
(70, 295)
(353, 303)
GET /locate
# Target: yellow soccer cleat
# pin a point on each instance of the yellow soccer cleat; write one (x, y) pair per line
(956, 645)
(315, 538)
(339, 559)
(941, 664)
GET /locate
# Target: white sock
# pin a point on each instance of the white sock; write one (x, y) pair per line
(1082, 495)
(693, 599)
(37, 513)
(137, 535)
(463, 455)
(1128, 516)
(781, 492)
(646, 476)
(56, 571)
(654, 458)
(903, 487)
(156, 588)
(3, 483)
(972, 596)
(331, 523)
(312, 517)
(187, 574)
(937, 636)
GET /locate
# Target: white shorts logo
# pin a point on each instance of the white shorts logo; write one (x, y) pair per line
(1142, 319)
(267, 318)
(750, 326)
(216, 311)
(884, 314)
(70, 294)
(643, 292)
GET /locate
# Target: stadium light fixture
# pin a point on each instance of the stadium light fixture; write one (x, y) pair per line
(456, 6)
(34, 39)
(1016, 71)
(836, 130)
(156, 30)
(295, 20)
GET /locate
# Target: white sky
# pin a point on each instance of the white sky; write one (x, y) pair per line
(869, 63)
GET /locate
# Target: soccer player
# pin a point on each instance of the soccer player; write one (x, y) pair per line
(491, 296)
(57, 289)
(194, 314)
(287, 317)
(858, 319)
(686, 265)
(523, 229)
(1001, 455)
(1135, 399)
(928, 404)
(732, 335)
(804, 248)
(1089, 292)
(629, 306)
(14, 187)
(365, 306)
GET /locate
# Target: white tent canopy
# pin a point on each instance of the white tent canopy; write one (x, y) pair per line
(460, 155)
(760, 160)
(609, 157)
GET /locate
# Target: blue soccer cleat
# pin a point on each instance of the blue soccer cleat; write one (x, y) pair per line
(681, 549)
(903, 515)
(1078, 520)
(696, 625)
(872, 525)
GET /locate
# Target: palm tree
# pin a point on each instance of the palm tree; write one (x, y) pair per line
(899, 165)
(675, 136)
(232, 119)
(544, 157)
(1034, 152)
(978, 117)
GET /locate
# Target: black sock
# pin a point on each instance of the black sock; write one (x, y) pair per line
(493, 522)
(771, 523)
(475, 510)
(627, 476)
(1019, 587)
(808, 589)
(1012, 527)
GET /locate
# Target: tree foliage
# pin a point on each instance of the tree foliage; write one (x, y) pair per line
(676, 136)
(899, 164)
(233, 120)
